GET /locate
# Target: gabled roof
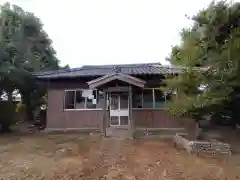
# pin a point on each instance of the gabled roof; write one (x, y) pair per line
(100, 70)
(116, 76)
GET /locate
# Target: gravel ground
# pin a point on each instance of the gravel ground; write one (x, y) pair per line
(75, 157)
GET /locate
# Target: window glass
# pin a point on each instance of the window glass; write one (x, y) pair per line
(123, 120)
(91, 99)
(80, 101)
(159, 99)
(69, 100)
(114, 120)
(90, 104)
(100, 99)
(147, 98)
(114, 105)
(124, 101)
(137, 99)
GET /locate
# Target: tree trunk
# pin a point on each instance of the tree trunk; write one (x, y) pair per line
(9, 95)
(29, 111)
(6, 119)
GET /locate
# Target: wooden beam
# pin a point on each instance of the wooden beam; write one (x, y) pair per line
(117, 89)
(130, 110)
(104, 124)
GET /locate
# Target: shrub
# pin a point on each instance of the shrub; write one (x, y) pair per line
(7, 116)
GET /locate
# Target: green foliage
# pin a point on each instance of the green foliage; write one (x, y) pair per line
(213, 43)
(24, 48)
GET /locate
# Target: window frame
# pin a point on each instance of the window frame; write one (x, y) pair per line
(165, 100)
(88, 109)
(153, 98)
(85, 100)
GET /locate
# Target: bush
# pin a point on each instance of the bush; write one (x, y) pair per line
(7, 116)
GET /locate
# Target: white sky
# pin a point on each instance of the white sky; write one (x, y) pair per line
(88, 32)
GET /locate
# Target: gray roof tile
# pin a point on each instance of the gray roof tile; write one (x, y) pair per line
(100, 70)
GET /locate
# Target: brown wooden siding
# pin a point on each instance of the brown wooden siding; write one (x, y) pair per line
(58, 118)
(158, 118)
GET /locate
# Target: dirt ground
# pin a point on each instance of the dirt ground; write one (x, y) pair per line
(74, 157)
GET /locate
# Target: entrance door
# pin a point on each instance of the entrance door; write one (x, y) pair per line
(119, 111)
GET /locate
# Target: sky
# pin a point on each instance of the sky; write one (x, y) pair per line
(89, 32)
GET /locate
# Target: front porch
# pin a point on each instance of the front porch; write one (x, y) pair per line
(117, 92)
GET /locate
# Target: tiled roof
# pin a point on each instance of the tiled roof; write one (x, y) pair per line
(100, 70)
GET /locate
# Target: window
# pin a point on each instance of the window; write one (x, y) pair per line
(149, 98)
(94, 99)
(100, 99)
(80, 101)
(69, 99)
(159, 99)
(83, 99)
(137, 98)
(91, 99)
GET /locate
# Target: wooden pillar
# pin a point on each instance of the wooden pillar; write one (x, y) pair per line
(130, 109)
(165, 99)
(104, 124)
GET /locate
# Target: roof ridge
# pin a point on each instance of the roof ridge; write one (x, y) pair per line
(117, 65)
(124, 64)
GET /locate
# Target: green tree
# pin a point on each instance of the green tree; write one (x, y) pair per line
(210, 51)
(24, 48)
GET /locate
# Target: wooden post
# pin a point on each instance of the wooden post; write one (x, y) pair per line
(165, 99)
(104, 124)
(130, 110)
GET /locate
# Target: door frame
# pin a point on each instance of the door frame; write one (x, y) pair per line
(118, 112)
